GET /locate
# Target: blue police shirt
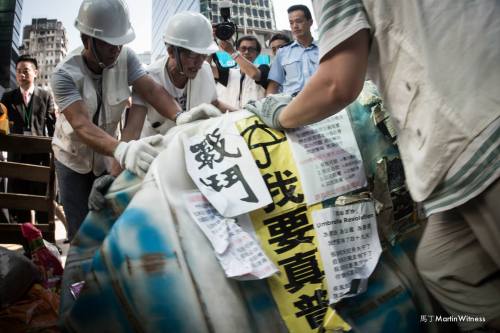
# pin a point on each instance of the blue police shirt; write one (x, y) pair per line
(294, 65)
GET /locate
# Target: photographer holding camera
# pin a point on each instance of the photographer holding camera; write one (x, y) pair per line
(236, 86)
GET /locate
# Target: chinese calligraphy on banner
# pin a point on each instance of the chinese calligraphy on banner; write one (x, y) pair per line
(222, 167)
(286, 232)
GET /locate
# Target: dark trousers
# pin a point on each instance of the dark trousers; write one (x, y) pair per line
(74, 191)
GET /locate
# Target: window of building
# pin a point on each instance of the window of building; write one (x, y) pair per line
(268, 24)
(254, 12)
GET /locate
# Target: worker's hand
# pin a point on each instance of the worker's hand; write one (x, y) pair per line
(99, 189)
(269, 108)
(137, 156)
(202, 111)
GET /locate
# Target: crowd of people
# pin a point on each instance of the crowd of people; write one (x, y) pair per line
(436, 66)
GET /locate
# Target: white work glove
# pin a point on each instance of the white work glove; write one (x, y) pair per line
(202, 111)
(269, 108)
(137, 156)
(99, 189)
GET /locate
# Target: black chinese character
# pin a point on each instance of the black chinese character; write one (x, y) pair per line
(264, 141)
(231, 177)
(211, 150)
(301, 269)
(285, 186)
(288, 229)
(313, 307)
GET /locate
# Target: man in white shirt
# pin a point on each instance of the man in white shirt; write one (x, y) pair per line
(237, 86)
(436, 65)
(184, 73)
(91, 88)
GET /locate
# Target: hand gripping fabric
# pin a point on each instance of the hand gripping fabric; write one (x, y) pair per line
(269, 108)
(100, 187)
(202, 111)
(137, 156)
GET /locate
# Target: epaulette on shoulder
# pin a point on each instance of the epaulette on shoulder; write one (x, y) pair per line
(286, 44)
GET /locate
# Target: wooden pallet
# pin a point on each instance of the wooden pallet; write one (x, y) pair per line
(24, 144)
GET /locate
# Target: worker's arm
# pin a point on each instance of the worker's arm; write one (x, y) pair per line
(336, 83)
(223, 107)
(272, 87)
(156, 96)
(94, 137)
(131, 131)
(135, 122)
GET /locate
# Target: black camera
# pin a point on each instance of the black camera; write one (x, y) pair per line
(226, 29)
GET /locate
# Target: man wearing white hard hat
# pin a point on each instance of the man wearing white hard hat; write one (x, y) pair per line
(184, 73)
(91, 88)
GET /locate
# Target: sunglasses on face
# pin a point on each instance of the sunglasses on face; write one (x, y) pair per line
(249, 49)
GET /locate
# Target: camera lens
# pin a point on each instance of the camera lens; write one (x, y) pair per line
(225, 30)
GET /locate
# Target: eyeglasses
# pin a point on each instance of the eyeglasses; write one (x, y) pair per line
(244, 49)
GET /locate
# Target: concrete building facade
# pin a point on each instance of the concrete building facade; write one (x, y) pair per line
(253, 17)
(45, 40)
(162, 11)
(10, 31)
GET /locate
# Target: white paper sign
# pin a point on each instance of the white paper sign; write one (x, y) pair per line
(328, 158)
(234, 242)
(223, 169)
(349, 245)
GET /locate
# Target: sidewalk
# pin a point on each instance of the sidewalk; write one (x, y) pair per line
(60, 237)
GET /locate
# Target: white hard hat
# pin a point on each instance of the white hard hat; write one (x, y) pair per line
(106, 20)
(191, 31)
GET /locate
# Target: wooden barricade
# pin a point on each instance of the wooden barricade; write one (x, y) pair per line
(24, 144)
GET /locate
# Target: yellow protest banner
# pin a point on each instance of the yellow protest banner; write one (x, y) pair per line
(285, 230)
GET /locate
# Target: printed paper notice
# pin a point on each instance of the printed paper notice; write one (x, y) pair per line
(349, 246)
(328, 158)
(234, 242)
(223, 169)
